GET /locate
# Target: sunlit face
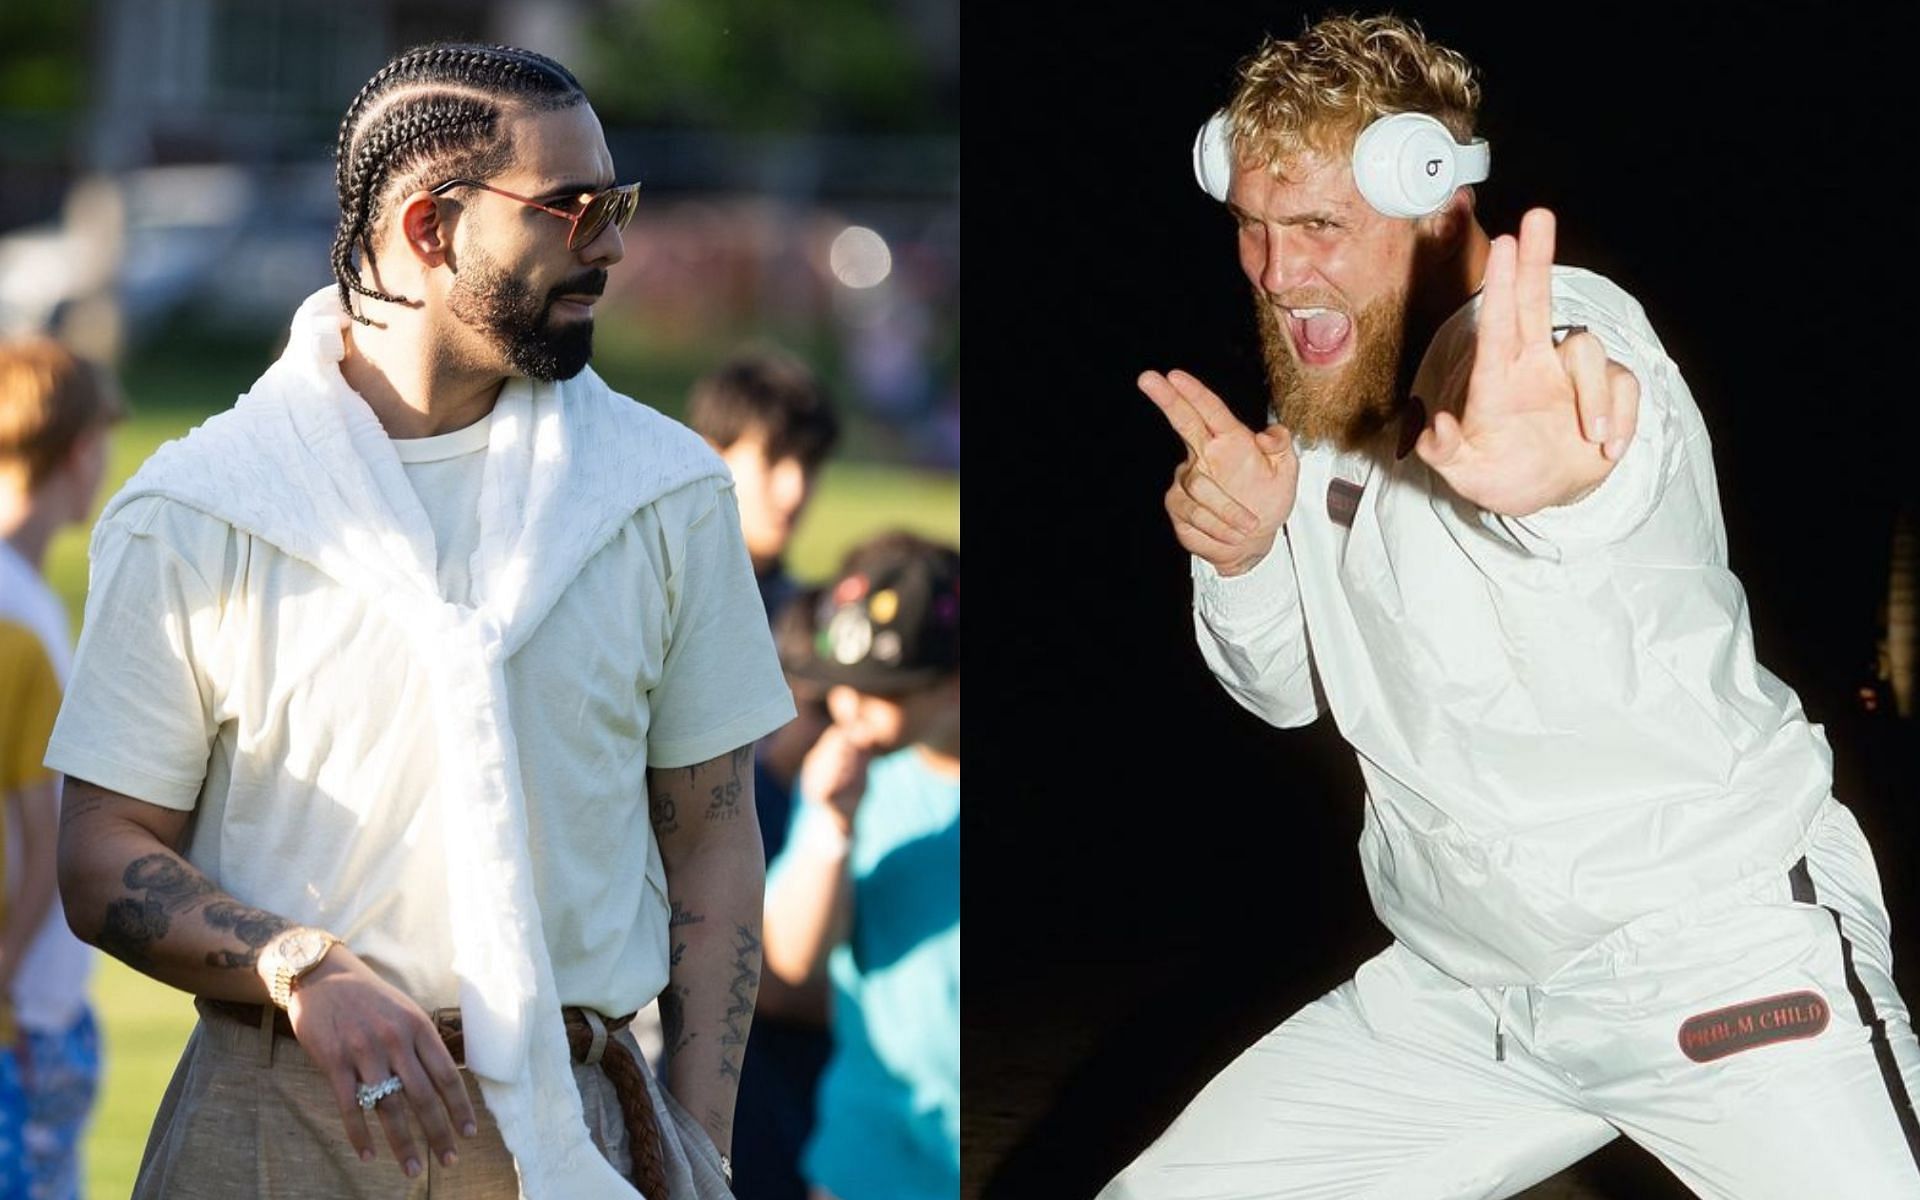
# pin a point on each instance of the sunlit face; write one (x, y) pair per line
(876, 723)
(771, 496)
(883, 724)
(527, 299)
(1330, 278)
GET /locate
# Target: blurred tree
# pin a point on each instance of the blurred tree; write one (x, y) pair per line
(877, 66)
(44, 55)
(45, 69)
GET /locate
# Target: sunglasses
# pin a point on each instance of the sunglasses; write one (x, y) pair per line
(614, 206)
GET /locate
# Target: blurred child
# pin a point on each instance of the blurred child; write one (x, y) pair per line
(869, 880)
(55, 413)
(764, 412)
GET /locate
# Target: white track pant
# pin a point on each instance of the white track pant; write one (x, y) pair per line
(1753, 1041)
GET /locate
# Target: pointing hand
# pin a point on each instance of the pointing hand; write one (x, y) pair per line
(1236, 488)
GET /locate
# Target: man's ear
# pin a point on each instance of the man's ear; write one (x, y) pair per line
(429, 239)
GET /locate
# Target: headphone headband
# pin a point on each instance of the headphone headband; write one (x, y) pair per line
(1405, 164)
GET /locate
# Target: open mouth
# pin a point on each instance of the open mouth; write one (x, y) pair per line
(1321, 336)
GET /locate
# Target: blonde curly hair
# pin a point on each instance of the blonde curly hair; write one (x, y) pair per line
(1318, 91)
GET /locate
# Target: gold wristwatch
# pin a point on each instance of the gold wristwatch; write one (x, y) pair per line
(290, 955)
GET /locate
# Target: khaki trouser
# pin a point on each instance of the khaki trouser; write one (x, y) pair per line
(245, 1119)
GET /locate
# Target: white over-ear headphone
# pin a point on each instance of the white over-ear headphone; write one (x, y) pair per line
(1405, 164)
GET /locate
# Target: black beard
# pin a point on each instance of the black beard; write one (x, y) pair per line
(505, 310)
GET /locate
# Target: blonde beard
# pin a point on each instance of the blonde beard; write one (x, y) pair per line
(1351, 404)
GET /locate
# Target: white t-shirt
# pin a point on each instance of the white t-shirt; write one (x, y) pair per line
(215, 672)
(50, 988)
(1560, 718)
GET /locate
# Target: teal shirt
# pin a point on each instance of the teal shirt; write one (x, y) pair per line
(889, 1112)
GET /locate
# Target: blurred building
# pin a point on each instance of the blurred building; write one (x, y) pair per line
(196, 183)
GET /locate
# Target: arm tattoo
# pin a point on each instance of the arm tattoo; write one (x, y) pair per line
(673, 1024)
(252, 926)
(726, 794)
(741, 991)
(74, 807)
(680, 917)
(662, 810)
(167, 879)
(131, 926)
(171, 887)
(133, 923)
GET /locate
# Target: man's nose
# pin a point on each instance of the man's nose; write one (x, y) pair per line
(1287, 260)
(607, 247)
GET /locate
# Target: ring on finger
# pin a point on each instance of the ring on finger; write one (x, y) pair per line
(370, 1094)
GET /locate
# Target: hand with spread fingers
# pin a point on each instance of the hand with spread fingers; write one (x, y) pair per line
(1236, 488)
(1543, 425)
(363, 1033)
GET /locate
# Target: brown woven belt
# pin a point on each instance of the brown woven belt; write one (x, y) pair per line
(589, 1038)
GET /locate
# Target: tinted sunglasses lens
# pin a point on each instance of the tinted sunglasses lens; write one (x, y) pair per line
(592, 220)
(629, 204)
(616, 205)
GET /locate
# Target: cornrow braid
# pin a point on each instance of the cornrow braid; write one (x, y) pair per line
(434, 110)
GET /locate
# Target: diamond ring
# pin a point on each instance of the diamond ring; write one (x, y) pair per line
(370, 1094)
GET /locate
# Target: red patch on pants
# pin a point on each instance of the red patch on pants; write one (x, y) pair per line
(1714, 1035)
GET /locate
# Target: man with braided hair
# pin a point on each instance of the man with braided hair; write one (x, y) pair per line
(412, 725)
(1623, 898)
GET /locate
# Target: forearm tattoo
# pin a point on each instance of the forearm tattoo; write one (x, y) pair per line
(673, 1024)
(741, 991)
(164, 886)
(253, 927)
(682, 915)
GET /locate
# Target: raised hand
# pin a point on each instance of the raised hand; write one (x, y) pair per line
(1543, 424)
(1236, 488)
(835, 774)
(357, 1028)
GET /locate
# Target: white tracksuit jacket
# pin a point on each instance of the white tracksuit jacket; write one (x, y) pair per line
(1560, 719)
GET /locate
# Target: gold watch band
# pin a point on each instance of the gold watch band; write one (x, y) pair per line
(293, 953)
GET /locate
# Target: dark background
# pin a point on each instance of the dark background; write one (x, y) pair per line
(1153, 876)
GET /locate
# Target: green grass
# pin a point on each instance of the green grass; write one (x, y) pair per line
(145, 1023)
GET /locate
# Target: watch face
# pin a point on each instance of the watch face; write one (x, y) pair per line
(301, 948)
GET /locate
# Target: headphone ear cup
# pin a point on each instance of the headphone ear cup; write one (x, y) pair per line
(1213, 157)
(1404, 164)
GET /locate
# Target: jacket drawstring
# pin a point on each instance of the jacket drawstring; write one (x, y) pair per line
(1499, 1020)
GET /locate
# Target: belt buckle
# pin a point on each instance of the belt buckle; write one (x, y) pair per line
(447, 1023)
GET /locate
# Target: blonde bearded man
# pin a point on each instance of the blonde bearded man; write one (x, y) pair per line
(1623, 898)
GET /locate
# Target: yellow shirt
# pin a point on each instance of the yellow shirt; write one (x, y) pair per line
(29, 700)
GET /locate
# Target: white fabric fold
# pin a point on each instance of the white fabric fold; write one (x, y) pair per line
(302, 463)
